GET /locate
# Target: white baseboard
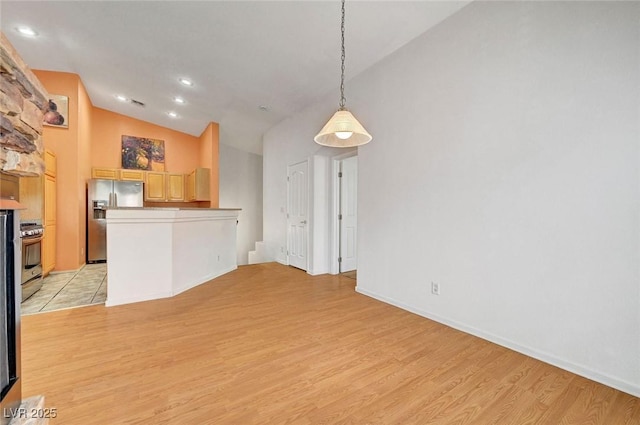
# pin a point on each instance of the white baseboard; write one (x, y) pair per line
(181, 288)
(317, 272)
(111, 301)
(134, 298)
(611, 381)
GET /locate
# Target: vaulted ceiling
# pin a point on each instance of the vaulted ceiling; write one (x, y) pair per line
(252, 63)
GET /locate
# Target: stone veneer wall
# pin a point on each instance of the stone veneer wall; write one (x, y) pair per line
(22, 104)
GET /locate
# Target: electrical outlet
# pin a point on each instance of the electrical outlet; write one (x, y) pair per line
(435, 288)
(282, 249)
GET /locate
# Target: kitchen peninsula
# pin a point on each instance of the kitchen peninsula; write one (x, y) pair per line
(160, 252)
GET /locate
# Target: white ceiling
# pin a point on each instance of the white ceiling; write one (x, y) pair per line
(240, 54)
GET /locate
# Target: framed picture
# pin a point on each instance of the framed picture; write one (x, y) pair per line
(57, 111)
(140, 153)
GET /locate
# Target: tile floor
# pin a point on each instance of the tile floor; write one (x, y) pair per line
(69, 289)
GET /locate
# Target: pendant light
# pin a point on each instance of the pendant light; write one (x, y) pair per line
(343, 130)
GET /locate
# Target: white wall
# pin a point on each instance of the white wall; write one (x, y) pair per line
(241, 187)
(504, 166)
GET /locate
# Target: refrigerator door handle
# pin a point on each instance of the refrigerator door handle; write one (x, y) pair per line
(115, 200)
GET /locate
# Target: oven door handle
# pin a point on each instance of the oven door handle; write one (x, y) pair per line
(30, 240)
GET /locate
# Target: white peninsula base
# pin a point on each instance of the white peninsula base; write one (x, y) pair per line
(160, 252)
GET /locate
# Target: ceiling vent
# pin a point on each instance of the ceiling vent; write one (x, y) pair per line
(137, 103)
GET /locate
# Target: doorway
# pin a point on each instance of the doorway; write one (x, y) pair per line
(298, 215)
(345, 217)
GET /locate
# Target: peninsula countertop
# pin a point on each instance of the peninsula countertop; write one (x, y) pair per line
(173, 208)
(149, 215)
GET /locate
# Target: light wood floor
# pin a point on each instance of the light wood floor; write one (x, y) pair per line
(269, 344)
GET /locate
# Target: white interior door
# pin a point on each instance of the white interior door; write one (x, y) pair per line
(348, 214)
(298, 214)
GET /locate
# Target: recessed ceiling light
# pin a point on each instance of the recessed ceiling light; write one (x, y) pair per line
(122, 98)
(172, 114)
(186, 82)
(179, 100)
(29, 32)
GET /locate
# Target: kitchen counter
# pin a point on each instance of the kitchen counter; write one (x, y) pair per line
(160, 252)
(174, 208)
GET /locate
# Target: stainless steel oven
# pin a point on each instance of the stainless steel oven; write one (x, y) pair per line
(31, 233)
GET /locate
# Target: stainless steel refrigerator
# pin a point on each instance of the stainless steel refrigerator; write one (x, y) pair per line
(101, 195)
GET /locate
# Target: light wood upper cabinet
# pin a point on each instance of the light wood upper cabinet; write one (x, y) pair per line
(198, 185)
(32, 197)
(117, 174)
(154, 189)
(161, 186)
(175, 187)
(191, 187)
(104, 173)
(131, 175)
(50, 166)
(164, 187)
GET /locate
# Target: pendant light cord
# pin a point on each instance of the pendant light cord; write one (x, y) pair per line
(343, 100)
(343, 129)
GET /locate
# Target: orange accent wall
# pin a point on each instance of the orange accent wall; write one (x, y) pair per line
(180, 150)
(85, 120)
(64, 143)
(94, 139)
(209, 158)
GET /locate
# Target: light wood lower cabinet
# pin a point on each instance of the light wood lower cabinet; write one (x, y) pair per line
(49, 249)
(50, 211)
(49, 200)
